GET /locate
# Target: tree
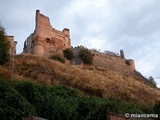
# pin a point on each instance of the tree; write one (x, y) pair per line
(4, 47)
(152, 80)
(86, 56)
(68, 54)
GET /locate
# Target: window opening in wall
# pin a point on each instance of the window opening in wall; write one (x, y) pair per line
(48, 40)
(32, 41)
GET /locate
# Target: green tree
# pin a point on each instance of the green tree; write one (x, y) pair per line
(86, 56)
(151, 79)
(68, 54)
(4, 47)
(13, 106)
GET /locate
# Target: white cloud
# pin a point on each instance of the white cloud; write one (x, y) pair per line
(97, 42)
(145, 20)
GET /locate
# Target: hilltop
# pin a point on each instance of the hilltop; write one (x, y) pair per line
(92, 80)
(92, 72)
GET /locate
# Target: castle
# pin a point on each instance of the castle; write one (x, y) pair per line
(46, 40)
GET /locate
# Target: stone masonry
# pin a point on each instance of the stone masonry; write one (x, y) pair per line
(13, 44)
(46, 40)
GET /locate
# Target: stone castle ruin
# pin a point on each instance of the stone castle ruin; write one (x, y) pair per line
(45, 39)
(106, 60)
(114, 61)
(13, 44)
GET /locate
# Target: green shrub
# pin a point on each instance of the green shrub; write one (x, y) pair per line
(86, 56)
(68, 54)
(157, 109)
(29, 90)
(13, 106)
(39, 96)
(58, 58)
(20, 99)
(117, 106)
(128, 62)
(91, 108)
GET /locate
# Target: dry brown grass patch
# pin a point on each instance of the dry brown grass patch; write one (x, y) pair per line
(103, 83)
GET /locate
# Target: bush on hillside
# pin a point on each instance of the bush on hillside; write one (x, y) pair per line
(19, 99)
(57, 58)
(68, 54)
(128, 62)
(86, 56)
(13, 106)
(157, 108)
(151, 79)
(4, 47)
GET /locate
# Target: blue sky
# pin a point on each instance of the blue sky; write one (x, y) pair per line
(131, 25)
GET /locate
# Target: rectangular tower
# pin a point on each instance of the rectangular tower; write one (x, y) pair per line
(46, 39)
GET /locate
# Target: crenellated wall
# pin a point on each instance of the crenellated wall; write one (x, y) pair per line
(46, 39)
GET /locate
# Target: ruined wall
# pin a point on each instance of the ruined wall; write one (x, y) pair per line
(107, 61)
(29, 44)
(45, 39)
(131, 63)
(114, 63)
(13, 44)
(122, 54)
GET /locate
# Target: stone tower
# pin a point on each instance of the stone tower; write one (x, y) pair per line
(122, 54)
(46, 39)
(13, 44)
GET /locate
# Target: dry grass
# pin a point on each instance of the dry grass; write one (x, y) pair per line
(95, 82)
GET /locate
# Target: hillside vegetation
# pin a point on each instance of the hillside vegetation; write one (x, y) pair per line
(91, 81)
(20, 99)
